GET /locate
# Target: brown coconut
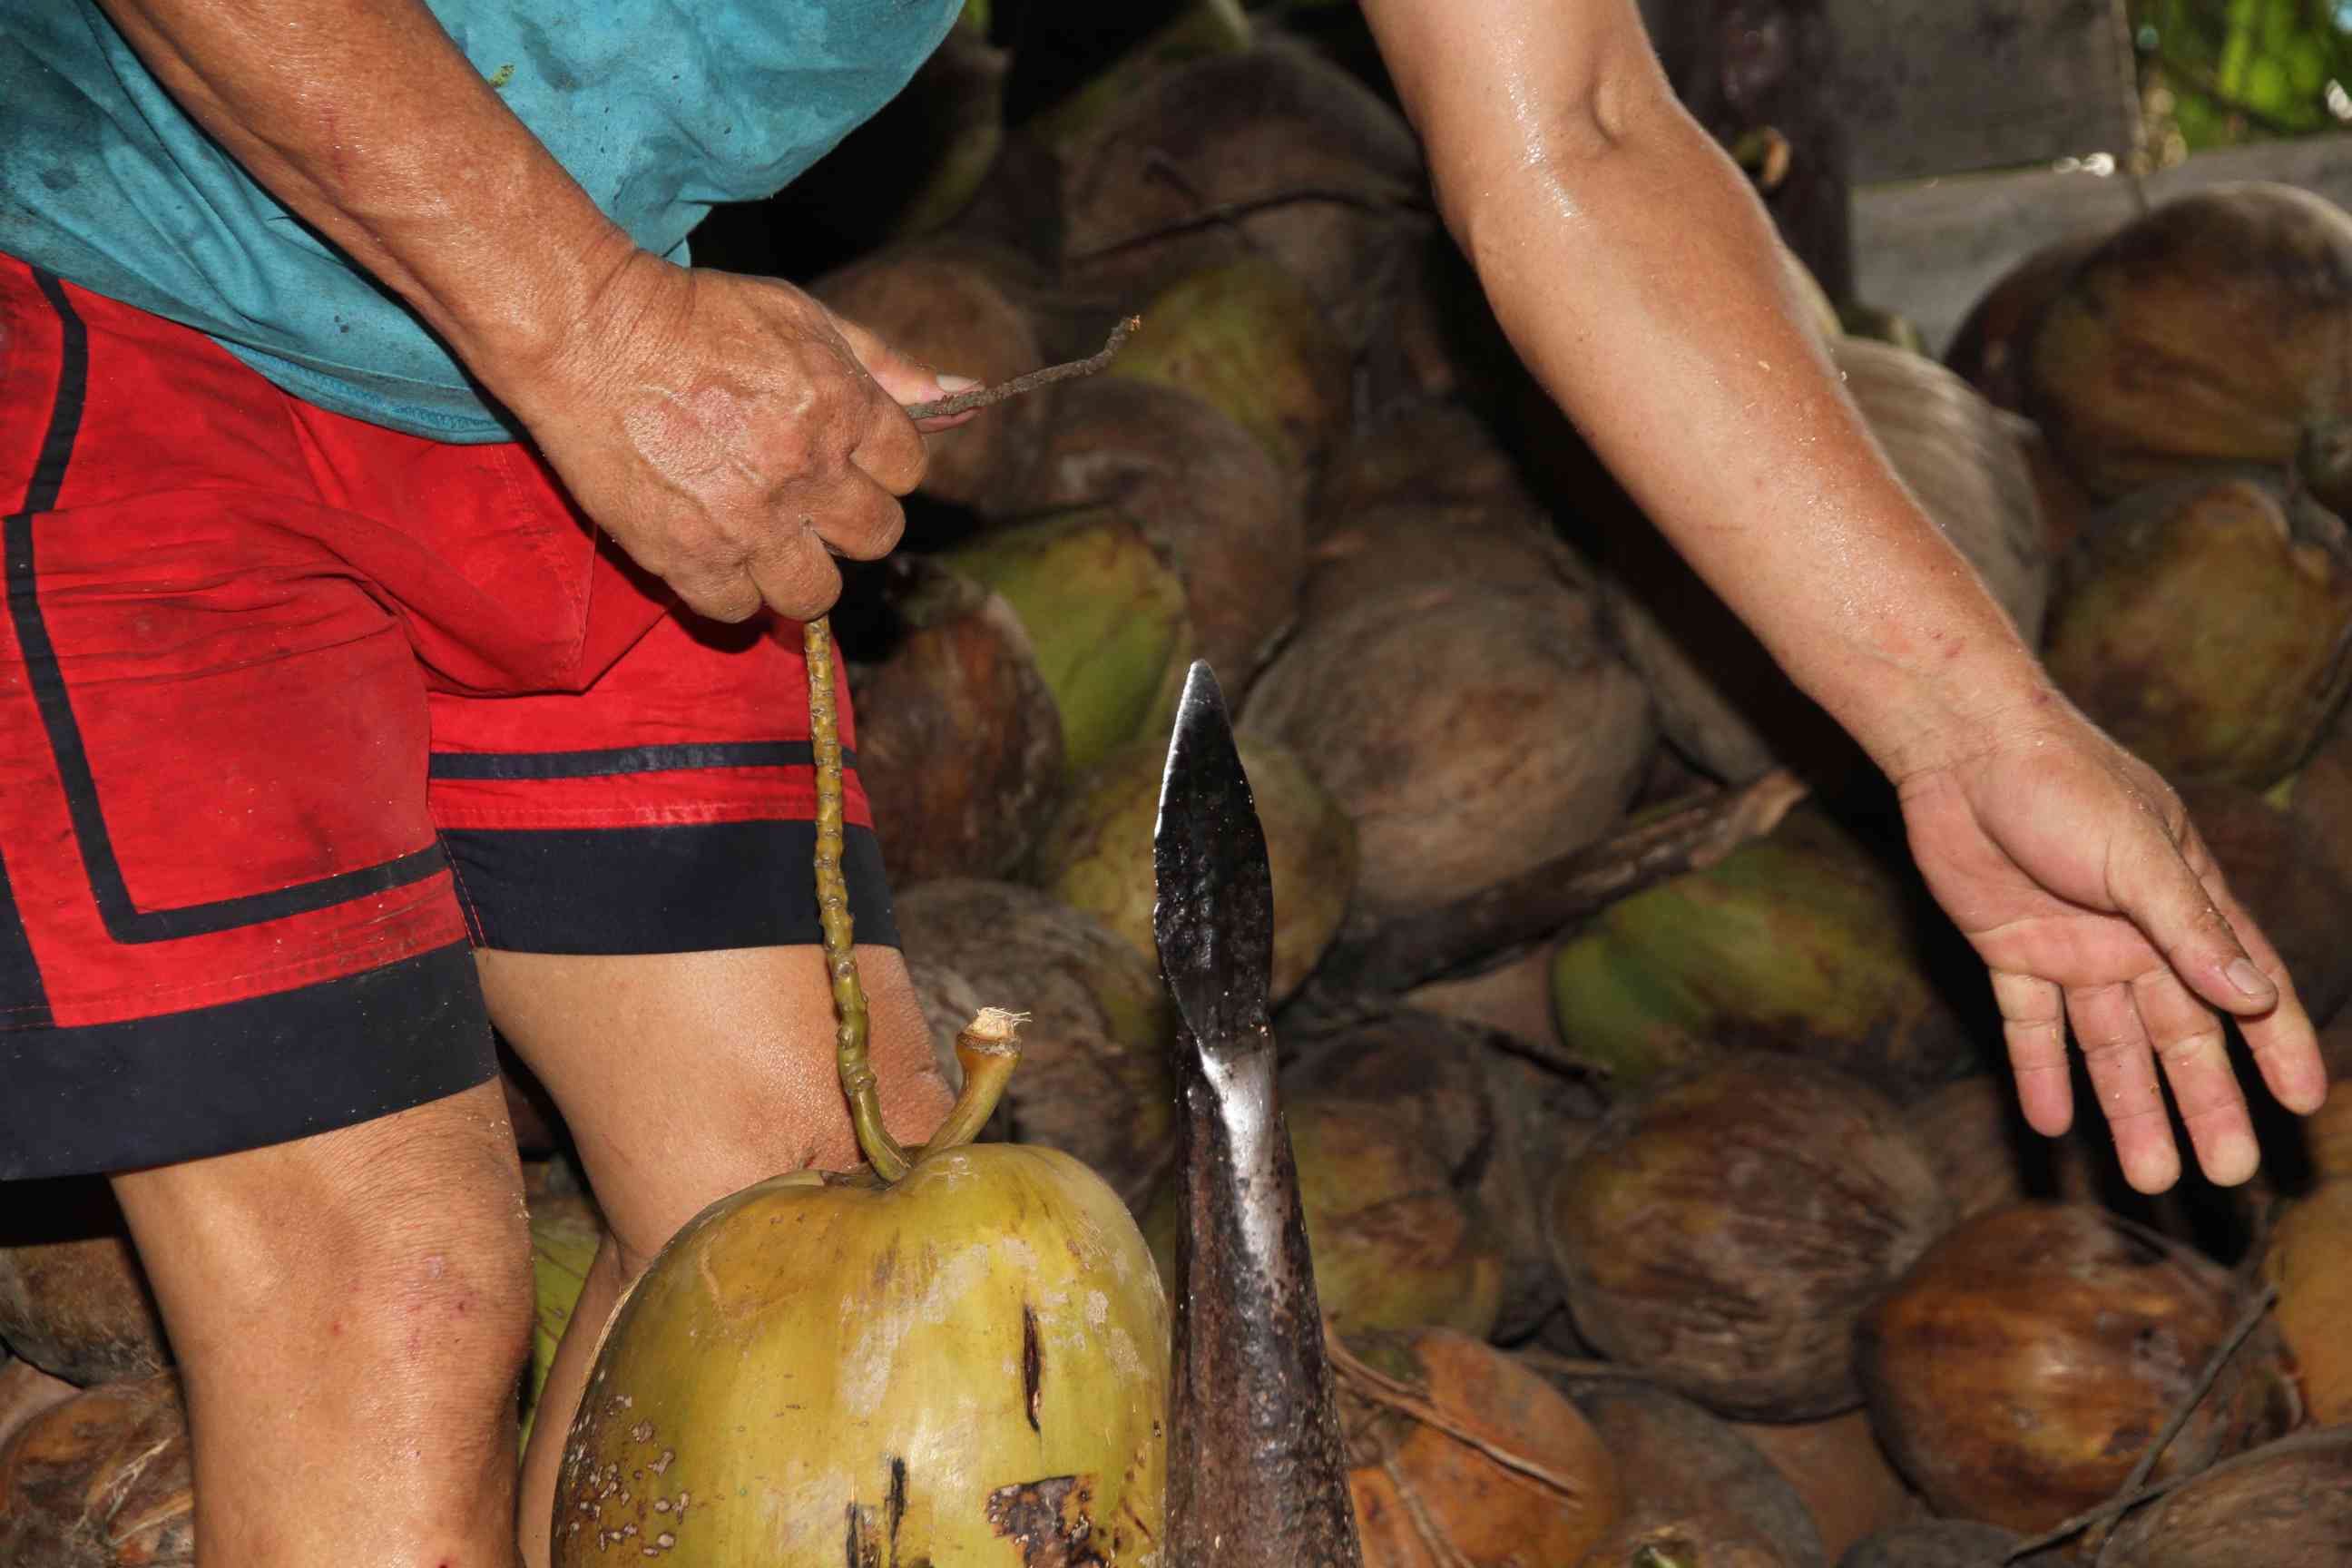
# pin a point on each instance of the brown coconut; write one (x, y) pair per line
(1406, 546)
(1725, 1231)
(2015, 1373)
(74, 1300)
(1095, 852)
(1430, 452)
(1988, 350)
(1946, 1543)
(1460, 1458)
(1205, 493)
(959, 309)
(1514, 997)
(24, 1391)
(2285, 1505)
(1468, 731)
(2202, 625)
(1331, 173)
(1694, 1490)
(1094, 1074)
(2305, 1258)
(102, 1480)
(958, 743)
(2321, 798)
(1840, 1471)
(1721, 699)
(1246, 336)
(1988, 1158)
(2299, 899)
(1492, 1120)
(2216, 328)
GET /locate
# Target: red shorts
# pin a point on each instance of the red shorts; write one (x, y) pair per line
(294, 710)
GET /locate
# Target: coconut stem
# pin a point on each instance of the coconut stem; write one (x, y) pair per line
(988, 1048)
(857, 1081)
(982, 396)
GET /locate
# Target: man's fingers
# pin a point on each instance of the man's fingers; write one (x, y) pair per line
(797, 579)
(726, 596)
(2190, 1043)
(2123, 1076)
(2034, 1022)
(2154, 885)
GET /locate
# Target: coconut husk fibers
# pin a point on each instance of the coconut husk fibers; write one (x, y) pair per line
(2203, 622)
(1481, 1463)
(1692, 1488)
(1725, 1230)
(2287, 1505)
(1468, 731)
(102, 1480)
(24, 1391)
(1094, 1071)
(1240, 127)
(2216, 328)
(959, 739)
(2016, 1372)
(74, 1300)
(1430, 452)
(1405, 546)
(1205, 492)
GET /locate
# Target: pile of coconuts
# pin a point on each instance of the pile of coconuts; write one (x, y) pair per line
(1669, 1202)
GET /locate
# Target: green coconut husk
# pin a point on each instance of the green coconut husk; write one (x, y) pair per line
(565, 1232)
(1249, 338)
(1799, 941)
(1105, 615)
(1095, 853)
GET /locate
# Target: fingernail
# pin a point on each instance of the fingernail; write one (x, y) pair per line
(955, 383)
(2252, 982)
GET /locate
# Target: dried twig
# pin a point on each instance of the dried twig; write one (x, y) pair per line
(2135, 1490)
(982, 396)
(1368, 1381)
(1404, 953)
(1569, 1366)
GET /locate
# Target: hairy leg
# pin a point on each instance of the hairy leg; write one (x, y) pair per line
(683, 1078)
(350, 1313)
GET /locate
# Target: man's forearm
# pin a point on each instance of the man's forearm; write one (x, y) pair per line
(1640, 279)
(366, 121)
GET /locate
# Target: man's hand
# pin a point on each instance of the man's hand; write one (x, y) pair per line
(732, 435)
(2077, 876)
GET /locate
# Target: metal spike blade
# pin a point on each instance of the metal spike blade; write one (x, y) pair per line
(1214, 914)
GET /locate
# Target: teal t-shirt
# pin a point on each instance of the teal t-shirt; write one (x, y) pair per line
(660, 108)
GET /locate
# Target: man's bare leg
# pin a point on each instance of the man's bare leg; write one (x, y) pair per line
(350, 1313)
(685, 1078)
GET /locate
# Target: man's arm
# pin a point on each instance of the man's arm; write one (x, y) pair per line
(724, 430)
(1637, 276)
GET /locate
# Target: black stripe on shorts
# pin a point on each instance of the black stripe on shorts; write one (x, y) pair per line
(211, 1080)
(690, 887)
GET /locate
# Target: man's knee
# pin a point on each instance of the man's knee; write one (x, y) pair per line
(401, 1240)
